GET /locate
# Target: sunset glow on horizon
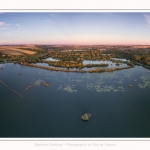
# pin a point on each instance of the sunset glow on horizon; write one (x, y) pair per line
(93, 28)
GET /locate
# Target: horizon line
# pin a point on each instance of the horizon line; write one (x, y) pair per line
(84, 44)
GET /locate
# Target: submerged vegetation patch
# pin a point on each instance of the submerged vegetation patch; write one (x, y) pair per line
(106, 83)
(67, 88)
(36, 82)
(145, 81)
(10, 88)
(105, 88)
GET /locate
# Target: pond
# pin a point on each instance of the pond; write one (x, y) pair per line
(51, 59)
(110, 63)
(42, 64)
(121, 59)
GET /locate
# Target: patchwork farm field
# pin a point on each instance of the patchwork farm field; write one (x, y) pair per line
(17, 50)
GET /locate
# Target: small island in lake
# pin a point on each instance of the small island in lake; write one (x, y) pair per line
(86, 117)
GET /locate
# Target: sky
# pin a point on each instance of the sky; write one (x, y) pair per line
(81, 28)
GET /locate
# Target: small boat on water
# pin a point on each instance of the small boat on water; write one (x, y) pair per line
(19, 73)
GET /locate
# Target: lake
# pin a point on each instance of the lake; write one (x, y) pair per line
(117, 110)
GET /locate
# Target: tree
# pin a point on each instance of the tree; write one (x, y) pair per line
(137, 57)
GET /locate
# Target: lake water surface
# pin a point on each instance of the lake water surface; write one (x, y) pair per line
(110, 63)
(85, 62)
(117, 110)
(51, 59)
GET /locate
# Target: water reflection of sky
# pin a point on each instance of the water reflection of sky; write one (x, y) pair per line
(42, 64)
(85, 62)
(121, 59)
(51, 59)
(117, 81)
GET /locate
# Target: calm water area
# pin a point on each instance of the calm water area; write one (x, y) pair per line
(51, 59)
(117, 110)
(85, 62)
(110, 63)
(122, 59)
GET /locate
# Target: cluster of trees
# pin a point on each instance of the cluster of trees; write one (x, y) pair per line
(141, 56)
(72, 64)
(79, 55)
(96, 70)
(142, 59)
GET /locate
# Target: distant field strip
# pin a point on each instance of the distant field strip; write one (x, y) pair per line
(12, 50)
(141, 46)
(25, 51)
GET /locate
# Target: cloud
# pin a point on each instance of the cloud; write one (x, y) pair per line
(18, 25)
(4, 24)
(50, 21)
(147, 17)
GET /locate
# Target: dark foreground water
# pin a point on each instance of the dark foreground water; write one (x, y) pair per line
(55, 111)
